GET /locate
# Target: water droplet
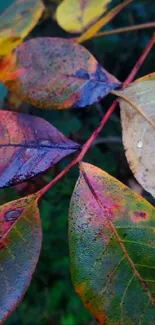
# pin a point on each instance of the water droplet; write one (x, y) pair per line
(30, 152)
(45, 142)
(139, 144)
(12, 215)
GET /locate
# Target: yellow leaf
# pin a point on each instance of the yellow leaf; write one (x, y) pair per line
(75, 16)
(150, 76)
(16, 23)
(102, 22)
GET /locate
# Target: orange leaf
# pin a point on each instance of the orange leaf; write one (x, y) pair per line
(102, 22)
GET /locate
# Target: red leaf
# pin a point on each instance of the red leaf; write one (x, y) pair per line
(20, 243)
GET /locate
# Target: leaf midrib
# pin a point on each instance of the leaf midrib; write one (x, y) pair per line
(38, 146)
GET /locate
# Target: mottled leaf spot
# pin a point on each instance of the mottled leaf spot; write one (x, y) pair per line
(139, 216)
(12, 215)
(82, 73)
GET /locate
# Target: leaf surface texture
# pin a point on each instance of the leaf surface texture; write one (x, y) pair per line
(112, 246)
(28, 146)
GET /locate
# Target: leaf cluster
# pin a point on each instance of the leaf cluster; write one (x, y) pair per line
(111, 229)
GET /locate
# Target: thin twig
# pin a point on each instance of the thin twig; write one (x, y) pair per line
(125, 29)
(110, 139)
(106, 117)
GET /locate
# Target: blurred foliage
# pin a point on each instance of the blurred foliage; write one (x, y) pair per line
(51, 298)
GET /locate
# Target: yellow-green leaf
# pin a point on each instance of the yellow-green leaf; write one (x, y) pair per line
(75, 16)
(102, 22)
(139, 131)
(112, 249)
(17, 21)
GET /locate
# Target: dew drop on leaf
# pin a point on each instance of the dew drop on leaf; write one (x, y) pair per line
(45, 142)
(139, 144)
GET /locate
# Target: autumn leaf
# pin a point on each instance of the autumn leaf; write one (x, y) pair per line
(17, 21)
(112, 249)
(20, 244)
(7, 68)
(139, 131)
(58, 73)
(75, 16)
(150, 76)
(92, 30)
(28, 146)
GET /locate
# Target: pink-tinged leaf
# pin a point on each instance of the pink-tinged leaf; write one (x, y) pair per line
(28, 146)
(58, 73)
(112, 248)
(20, 244)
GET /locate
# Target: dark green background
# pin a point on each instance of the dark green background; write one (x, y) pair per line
(51, 298)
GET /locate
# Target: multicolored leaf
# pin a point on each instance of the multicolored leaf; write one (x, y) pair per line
(28, 146)
(20, 244)
(112, 249)
(17, 21)
(7, 68)
(75, 16)
(92, 30)
(58, 73)
(139, 131)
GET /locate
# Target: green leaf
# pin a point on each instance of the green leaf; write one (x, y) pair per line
(112, 249)
(20, 244)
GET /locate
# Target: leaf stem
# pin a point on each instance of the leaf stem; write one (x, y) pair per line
(125, 29)
(106, 117)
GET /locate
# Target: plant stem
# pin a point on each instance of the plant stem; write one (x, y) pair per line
(125, 29)
(106, 117)
(140, 61)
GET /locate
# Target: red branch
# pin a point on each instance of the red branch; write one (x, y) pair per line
(106, 117)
